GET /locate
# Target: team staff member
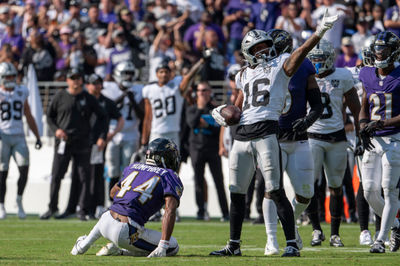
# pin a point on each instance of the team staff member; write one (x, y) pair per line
(203, 148)
(69, 118)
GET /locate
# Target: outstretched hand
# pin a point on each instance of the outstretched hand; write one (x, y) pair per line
(326, 23)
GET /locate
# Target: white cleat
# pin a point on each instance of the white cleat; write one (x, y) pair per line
(77, 250)
(299, 242)
(272, 247)
(109, 250)
(365, 238)
(3, 213)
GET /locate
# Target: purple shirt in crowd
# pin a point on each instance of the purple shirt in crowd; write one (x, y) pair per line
(60, 64)
(341, 62)
(118, 56)
(383, 96)
(15, 40)
(192, 32)
(264, 16)
(236, 27)
(107, 18)
(393, 13)
(143, 189)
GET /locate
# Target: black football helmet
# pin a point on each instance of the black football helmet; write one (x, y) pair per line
(164, 153)
(385, 49)
(283, 42)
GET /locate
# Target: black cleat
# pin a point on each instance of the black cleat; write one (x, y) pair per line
(395, 239)
(47, 215)
(317, 238)
(291, 252)
(378, 247)
(229, 250)
(65, 215)
(259, 220)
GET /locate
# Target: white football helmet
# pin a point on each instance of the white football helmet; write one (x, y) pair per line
(366, 53)
(252, 38)
(125, 74)
(322, 56)
(8, 70)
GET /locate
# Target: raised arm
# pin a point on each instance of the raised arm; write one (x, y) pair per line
(296, 58)
(148, 115)
(188, 78)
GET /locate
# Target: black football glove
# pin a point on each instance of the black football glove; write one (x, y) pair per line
(359, 150)
(300, 125)
(38, 144)
(366, 140)
(140, 155)
(373, 126)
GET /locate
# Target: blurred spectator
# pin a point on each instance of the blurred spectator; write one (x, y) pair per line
(41, 54)
(73, 19)
(198, 29)
(216, 9)
(57, 12)
(348, 58)
(392, 18)
(121, 52)
(214, 67)
(107, 14)
(6, 54)
(4, 17)
(135, 6)
(366, 9)
(236, 17)
(144, 32)
(103, 51)
(195, 7)
(358, 39)
(290, 22)
(161, 50)
(264, 15)
(92, 27)
(82, 55)
(377, 14)
(204, 144)
(335, 34)
(15, 40)
(63, 48)
(181, 65)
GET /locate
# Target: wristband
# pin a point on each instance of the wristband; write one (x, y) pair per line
(163, 244)
(364, 120)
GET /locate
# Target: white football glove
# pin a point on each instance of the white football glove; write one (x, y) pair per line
(216, 114)
(326, 24)
(161, 250)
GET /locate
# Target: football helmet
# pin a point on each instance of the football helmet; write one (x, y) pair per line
(385, 49)
(8, 70)
(283, 41)
(125, 74)
(164, 153)
(322, 56)
(366, 52)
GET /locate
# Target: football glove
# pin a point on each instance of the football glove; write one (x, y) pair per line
(161, 250)
(300, 125)
(38, 144)
(216, 114)
(359, 149)
(373, 126)
(139, 155)
(326, 24)
(366, 140)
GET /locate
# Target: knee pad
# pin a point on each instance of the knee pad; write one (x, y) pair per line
(302, 199)
(275, 195)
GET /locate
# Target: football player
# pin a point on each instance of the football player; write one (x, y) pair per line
(327, 136)
(14, 105)
(143, 190)
(263, 87)
(129, 100)
(293, 141)
(380, 133)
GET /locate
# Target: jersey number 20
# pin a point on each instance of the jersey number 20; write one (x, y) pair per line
(259, 98)
(169, 105)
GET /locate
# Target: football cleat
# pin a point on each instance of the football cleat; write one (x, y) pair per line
(378, 247)
(335, 241)
(231, 249)
(291, 252)
(21, 213)
(77, 249)
(3, 213)
(109, 250)
(272, 247)
(387, 241)
(395, 239)
(299, 241)
(317, 238)
(365, 238)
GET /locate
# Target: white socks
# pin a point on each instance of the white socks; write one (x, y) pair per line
(270, 218)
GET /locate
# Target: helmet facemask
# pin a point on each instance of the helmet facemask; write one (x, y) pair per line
(383, 56)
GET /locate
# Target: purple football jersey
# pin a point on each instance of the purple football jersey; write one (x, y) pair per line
(143, 188)
(297, 104)
(383, 96)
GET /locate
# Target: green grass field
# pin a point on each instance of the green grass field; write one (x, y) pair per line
(33, 241)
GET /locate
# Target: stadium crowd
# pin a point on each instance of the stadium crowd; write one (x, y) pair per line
(110, 44)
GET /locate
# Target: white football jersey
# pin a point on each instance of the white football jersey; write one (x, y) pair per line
(166, 103)
(264, 91)
(130, 130)
(332, 88)
(355, 72)
(12, 110)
